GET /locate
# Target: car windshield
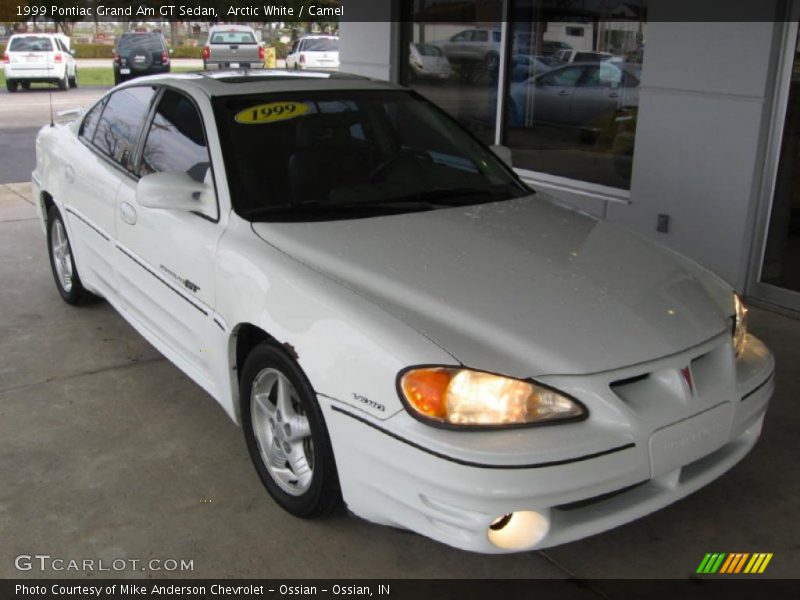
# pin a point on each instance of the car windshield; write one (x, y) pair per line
(328, 155)
(147, 41)
(320, 45)
(31, 43)
(232, 37)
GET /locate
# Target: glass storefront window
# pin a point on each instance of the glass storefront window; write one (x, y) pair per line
(573, 93)
(573, 74)
(456, 64)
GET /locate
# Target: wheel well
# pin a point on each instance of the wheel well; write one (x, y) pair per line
(248, 336)
(47, 203)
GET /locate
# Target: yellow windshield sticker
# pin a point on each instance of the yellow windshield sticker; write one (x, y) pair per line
(269, 113)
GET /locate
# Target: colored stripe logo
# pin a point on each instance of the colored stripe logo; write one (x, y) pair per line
(734, 563)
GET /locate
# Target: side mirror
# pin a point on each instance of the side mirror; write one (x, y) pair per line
(503, 153)
(170, 191)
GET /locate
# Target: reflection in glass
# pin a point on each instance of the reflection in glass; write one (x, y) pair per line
(456, 64)
(573, 93)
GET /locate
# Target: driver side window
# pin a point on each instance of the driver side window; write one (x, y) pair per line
(565, 77)
(176, 142)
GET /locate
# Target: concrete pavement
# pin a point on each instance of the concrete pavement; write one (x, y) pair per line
(108, 451)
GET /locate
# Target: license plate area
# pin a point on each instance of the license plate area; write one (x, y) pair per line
(684, 442)
(125, 71)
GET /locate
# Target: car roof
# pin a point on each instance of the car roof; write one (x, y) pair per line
(235, 82)
(321, 36)
(231, 27)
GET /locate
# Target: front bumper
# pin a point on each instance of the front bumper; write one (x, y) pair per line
(624, 462)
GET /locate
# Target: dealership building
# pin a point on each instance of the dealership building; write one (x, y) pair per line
(684, 130)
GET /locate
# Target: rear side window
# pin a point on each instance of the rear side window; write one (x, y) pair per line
(89, 125)
(31, 43)
(176, 141)
(121, 122)
(232, 37)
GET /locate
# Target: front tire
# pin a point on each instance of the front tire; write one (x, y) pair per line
(286, 435)
(62, 262)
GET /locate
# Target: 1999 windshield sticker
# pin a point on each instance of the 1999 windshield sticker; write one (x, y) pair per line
(269, 113)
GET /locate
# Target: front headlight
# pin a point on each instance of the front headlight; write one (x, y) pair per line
(739, 325)
(455, 396)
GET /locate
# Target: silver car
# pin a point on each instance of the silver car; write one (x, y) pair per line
(575, 95)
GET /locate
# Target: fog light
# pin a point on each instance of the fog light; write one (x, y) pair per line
(518, 530)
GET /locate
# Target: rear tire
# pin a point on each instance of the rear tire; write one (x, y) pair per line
(26, 85)
(286, 434)
(62, 263)
(11, 86)
(63, 83)
(73, 81)
(118, 79)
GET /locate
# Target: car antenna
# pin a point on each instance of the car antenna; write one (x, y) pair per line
(50, 87)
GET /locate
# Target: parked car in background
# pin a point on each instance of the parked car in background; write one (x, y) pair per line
(140, 53)
(39, 58)
(582, 95)
(233, 47)
(525, 66)
(314, 52)
(550, 47)
(473, 50)
(396, 321)
(427, 61)
(569, 56)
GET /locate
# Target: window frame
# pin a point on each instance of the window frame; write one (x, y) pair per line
(145, 132)
(127, 169)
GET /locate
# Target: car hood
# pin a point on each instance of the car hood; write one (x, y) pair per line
(522, 287)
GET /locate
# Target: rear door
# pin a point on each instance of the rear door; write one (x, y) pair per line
(550, 97)
(94, 167)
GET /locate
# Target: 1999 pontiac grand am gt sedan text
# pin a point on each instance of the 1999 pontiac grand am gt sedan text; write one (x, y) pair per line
(391, 315)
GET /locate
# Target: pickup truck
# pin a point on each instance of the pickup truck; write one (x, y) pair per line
(233, 47)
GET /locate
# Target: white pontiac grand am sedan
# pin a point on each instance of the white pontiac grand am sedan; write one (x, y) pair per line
(395, 320)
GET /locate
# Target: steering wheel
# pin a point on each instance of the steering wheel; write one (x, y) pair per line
(404, 154)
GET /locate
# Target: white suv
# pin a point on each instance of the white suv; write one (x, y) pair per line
(39, 58)
(314, 52)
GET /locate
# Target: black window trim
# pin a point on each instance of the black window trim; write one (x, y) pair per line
(145, 131)
(91, 145)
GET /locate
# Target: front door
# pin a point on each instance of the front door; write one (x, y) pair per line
(167, 268)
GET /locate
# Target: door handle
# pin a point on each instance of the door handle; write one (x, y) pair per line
(69, 173)
(127, 213)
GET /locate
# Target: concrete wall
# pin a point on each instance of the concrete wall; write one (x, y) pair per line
(699, 148)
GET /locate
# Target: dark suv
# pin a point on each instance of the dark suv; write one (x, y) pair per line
(140, 53)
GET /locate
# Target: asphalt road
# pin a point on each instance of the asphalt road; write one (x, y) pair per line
(21, 116)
